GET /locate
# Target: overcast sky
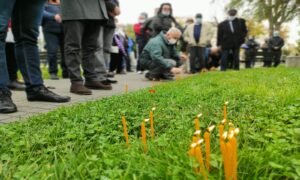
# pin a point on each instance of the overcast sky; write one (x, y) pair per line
(183, 8)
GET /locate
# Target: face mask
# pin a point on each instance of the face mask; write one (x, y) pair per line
(166, 13)
(276, 34)
(142, 21)
(198, 20)
(231, 18)
(172, 41)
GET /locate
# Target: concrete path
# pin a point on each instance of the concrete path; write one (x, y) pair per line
(26, 109)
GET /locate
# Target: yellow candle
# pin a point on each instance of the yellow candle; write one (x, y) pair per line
(192, 153)
(152, 123)
(207, 146)
(197, 124)
(230, 155)
(224, 154)
(144, 137)
(235, 156)
(199, 157)
(225, 110)
(125, 130)
(197, 134)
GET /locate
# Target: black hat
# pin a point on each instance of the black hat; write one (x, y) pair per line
(198, 15)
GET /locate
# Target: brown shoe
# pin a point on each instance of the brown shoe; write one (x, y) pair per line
(97, 85)
(80, 89)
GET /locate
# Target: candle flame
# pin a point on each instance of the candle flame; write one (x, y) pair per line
(193, 145)
(211, 128)
(237, 131)
(231, 134)
(226, 103)
(199, 115)
(225, 134)
(198, 132)
(200, 141)
(146, 120)
(223, 121)
(154, 108)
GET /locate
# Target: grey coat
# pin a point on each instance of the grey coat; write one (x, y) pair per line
(84, 10)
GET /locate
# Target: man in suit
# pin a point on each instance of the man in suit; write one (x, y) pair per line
(231, 35)
(276, 44)
(81, 22)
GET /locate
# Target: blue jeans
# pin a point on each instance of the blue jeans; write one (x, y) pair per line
(26, 18)
(54, 42)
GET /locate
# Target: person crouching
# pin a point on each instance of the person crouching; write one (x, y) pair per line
(160, 56)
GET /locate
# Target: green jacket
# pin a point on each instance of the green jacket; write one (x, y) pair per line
(157, 50)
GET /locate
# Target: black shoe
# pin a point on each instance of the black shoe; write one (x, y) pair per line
(167, 77)
(15, 85)
(6, 103)
(110, 75)
(121, 72)
(109, 81)
(152, 77)
(54, 77)
(41, 93)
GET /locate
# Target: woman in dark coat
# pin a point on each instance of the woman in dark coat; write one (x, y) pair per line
(164, 19)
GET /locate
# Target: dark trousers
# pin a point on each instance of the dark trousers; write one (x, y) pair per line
(236, 58)
(141, 46)
(276, 57)
(197, 59)
(55, 42)
(250, 59)
(156, 69)
(81, 40)
(116, 62)
(12, 66)
(128, 63)
(267, 58)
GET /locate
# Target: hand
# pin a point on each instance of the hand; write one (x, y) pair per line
(176, 71)
(57, 18)
(115, 12)
(183, 57)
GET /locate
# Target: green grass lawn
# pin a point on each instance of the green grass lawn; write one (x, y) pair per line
(86, 141)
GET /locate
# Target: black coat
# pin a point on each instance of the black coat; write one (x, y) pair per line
(276, 42)
(228, 40)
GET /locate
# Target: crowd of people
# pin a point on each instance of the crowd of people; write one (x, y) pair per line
(88, 37)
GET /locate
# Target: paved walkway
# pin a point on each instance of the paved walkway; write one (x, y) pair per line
(26, 109)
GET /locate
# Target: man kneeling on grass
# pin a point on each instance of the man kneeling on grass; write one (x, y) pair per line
(160, 56)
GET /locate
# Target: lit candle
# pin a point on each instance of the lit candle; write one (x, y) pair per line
(197, 125)
(224, 154)
(192, 154)
(144, 136)
(207, 146)
(125, 130)
(152, 123)
(225, 110)
(197, 134)
(235, 157)
(230, 154)
(199, 157)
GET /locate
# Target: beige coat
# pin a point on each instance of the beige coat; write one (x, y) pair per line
(208, 34)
